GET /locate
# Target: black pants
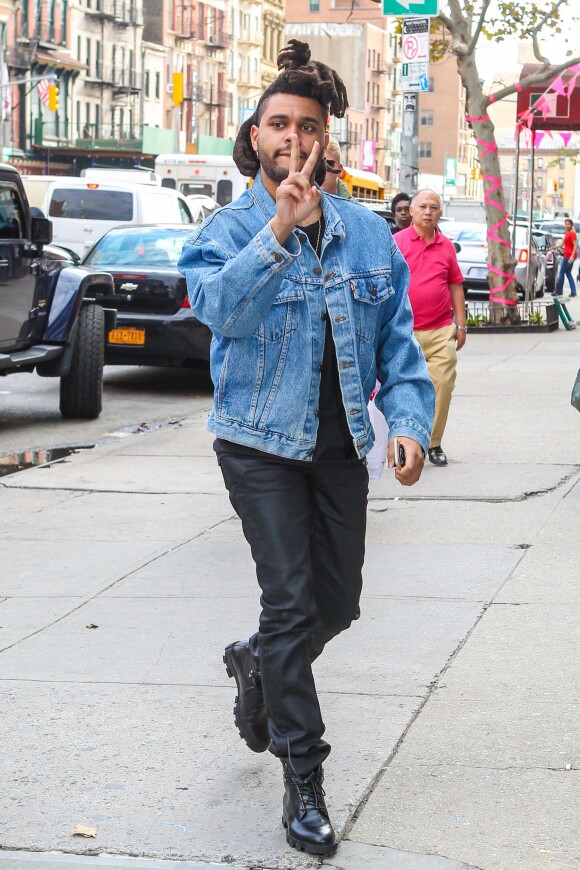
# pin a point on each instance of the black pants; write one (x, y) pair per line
(305, 523)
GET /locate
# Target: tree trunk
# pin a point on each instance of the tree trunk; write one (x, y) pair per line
(503, 295)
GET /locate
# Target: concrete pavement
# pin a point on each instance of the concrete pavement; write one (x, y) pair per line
(451, 705)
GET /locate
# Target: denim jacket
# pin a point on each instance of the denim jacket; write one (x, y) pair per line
(265, 304)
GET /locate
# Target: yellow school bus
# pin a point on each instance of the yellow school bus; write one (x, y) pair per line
(363, 184)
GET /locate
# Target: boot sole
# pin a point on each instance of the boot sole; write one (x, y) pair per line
(231, 672)
(309, 848)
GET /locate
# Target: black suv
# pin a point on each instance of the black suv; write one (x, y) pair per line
(51, 321)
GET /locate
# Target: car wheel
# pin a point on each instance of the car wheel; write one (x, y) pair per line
(81, 391)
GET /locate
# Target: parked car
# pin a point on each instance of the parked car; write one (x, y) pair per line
(473, 256)
(155, 325)
(201, 206)
(552, 259)
(50, 320)
(380, 207)
(556, 227)
(82, 210)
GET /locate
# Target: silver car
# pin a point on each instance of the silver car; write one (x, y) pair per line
(473, 256)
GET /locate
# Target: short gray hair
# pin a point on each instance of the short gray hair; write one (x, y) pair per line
(427, 190)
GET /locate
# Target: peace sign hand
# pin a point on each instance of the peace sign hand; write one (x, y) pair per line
(296, 198)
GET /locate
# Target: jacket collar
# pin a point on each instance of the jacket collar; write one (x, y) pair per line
(415, 235)
(332, 219)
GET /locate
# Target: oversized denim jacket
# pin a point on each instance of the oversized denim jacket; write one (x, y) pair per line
(265, 305)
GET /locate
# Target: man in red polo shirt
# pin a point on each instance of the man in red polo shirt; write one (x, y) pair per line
(438, 303)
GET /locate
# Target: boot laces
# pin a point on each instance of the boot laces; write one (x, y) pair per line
(310, 791)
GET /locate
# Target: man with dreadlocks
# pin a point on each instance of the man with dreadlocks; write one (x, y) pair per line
(306, 297)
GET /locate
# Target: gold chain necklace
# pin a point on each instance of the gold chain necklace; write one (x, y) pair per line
(317, 248)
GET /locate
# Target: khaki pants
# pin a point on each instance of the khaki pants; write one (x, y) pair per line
(439, 349)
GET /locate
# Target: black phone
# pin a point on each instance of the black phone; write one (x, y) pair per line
(400, 457)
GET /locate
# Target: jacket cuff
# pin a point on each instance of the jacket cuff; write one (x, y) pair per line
(272, 252)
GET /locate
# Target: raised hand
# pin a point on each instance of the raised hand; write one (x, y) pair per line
(296, 198)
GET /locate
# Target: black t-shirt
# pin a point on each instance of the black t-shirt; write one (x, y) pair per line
(334, 440)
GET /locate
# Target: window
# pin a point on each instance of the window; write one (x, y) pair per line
(97, 205)
(146, 83)
(11, 218)
(539, 182)
(426, 117)
(185, 215)
(561, 183)
(540, 163)
(224, 191)
(431, 84)
(157, 85)
(424, 149)
(315, 5)
(562, 163)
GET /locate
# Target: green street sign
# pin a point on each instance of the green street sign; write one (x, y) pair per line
(410, 7)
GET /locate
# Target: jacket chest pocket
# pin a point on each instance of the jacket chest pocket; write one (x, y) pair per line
(368, 294)
(282, 318)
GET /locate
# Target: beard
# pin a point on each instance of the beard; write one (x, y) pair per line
(278, 173)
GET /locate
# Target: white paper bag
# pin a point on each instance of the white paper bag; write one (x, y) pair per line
(377, 456)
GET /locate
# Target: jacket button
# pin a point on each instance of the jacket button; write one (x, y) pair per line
(278, 257)
(317, 270)
(323, 315)
(373, 291)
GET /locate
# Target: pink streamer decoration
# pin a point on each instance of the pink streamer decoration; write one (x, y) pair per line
(518, 87)
(571, 85)
(538, 138)
(565, 138)
(491, 98)
(559, 86)
(473, 120)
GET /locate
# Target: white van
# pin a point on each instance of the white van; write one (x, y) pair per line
(136, 175)
(82, 211)
(213, 175)
(36, 187)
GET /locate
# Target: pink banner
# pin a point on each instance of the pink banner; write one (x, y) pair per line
(565, 137)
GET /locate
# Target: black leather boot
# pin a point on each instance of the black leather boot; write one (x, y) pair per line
(305, 816)
(249, 710)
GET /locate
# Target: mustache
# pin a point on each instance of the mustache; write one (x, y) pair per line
(282, 153)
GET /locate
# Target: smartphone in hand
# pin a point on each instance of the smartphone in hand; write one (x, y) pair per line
(399, 450)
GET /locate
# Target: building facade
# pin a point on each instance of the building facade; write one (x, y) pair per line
(115, 64)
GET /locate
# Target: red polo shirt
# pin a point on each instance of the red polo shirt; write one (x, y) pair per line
(433, 268)
(569, 239)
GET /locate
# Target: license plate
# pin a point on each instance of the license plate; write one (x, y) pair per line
(478, 273)
(127, 336)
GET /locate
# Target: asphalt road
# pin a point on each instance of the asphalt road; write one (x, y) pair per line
(132, 397)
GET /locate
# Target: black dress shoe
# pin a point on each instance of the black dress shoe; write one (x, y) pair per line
(249, 710)
(305, 816)
(437, 456)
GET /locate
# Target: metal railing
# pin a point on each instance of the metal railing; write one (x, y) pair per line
(54, 134)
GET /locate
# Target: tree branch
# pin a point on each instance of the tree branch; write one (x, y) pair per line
(447, 22)
(478, 29)
(538, 27)
(536, 78)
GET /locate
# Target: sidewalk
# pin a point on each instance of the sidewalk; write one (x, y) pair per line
(451, 705)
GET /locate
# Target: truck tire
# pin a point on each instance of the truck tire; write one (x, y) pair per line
(81, 391)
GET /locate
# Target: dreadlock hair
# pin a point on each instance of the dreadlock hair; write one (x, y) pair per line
(302, 77)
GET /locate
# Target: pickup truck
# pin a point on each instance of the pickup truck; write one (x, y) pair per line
(51, 321)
